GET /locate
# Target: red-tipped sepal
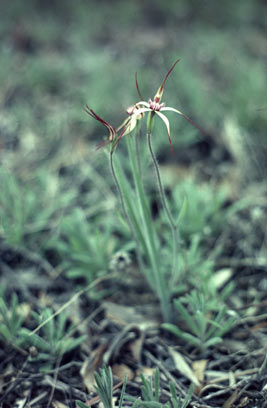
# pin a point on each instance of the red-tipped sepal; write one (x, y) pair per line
(110, 128)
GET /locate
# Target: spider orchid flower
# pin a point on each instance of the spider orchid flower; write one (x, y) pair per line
(126, 127)
(155, 107)
(130, 123)
(137, 112)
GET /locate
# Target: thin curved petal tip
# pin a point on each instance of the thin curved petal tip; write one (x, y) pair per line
(110, 128)
(158, 96)
(137, 88)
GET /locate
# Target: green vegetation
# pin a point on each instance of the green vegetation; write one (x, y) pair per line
(11, 321)
(150, 392)
(54, 340)
(85, 251)
(66, 208)
(56, 336)
(206, 326)
(205, 215)
(29, 210)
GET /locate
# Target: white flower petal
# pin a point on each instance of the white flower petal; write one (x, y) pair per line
(167, 124)
(167, 108)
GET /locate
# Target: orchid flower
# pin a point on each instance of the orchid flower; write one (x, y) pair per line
(137, 112)
(137, 213)
(155, 107)
(127, 126)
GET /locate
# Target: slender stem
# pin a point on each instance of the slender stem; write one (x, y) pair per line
(125, 213)
(161, 189)
(142, 227)
(172, 224)
(141, 200)
(137, 150)
(155, 276)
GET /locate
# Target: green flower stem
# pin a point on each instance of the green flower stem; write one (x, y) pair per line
(137, 150)
(127, 217)
(156, 279)
(141, 197)
(172, 224)
(150, 121)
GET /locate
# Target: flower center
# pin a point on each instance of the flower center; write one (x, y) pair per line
(155, 106)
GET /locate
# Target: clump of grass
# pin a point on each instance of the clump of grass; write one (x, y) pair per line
(150, 392)
(11, 321)
(206, 324)
(205, 213)
(55, 339)
(84, 248)
(28, 210)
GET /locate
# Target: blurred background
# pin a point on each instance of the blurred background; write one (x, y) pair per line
(58, 56)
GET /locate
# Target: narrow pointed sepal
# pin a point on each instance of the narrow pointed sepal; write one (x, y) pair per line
(158, 96)
(111, 130)
(167, 124)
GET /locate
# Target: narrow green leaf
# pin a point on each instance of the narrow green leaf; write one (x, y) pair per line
(188, 397)
(182, 211)
(81, 404)
(187, 317)
(5, 332)
(156, 384)
(212, 342)
(123, 391)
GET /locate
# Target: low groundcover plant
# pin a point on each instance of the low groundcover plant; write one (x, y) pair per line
(150, 392)
(206, 325)
(134, 201)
